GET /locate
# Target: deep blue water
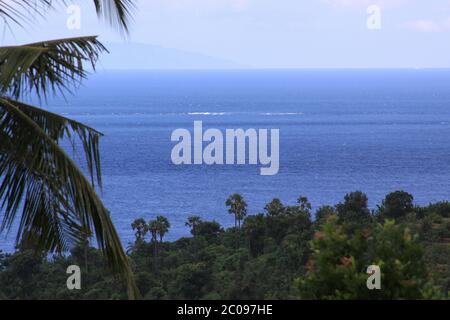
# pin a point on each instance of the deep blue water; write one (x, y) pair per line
(340, 131)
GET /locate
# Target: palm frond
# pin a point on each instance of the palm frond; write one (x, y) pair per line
(47, 67)
(116, 12)
(22, 11)
(56, 199)
(58, 204)
(61, 128)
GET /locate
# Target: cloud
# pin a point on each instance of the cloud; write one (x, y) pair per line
(427, 25)
(347, 3)
(206, 5)
(356, 4)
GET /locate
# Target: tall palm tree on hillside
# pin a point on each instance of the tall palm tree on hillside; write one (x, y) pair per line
(141, 228)
(153, 227)
(40, 185)
(163, 227)
(238, 207)
(192, 222)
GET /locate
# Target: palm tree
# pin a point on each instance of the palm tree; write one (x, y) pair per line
(160, 226)
(153, 227)
(305, 205)
(274, 208)
(238, 207)
(193, 222)
(163, 227)
(38, 180)
(141, 229)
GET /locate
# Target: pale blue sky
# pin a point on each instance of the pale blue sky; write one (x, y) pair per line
(279, 33)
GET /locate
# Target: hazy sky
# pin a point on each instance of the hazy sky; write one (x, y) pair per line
(278, 33)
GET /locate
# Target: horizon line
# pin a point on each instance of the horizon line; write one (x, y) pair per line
(99, 69)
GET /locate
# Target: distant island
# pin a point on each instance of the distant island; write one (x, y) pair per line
(148, 57)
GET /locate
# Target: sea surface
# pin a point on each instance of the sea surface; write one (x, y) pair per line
(340, 130)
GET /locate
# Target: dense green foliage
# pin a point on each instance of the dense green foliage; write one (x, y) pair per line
(279, 254)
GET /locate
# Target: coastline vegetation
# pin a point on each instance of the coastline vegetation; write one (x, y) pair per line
(281, 253)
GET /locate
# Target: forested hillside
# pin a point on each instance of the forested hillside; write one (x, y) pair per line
(282, 253)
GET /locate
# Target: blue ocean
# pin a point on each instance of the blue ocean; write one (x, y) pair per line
(340, 130)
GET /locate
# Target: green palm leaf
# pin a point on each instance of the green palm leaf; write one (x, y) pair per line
(57, 204)
(117, 12)
(58, 201)
(47, 67)
(61, 128)
(19, 11)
